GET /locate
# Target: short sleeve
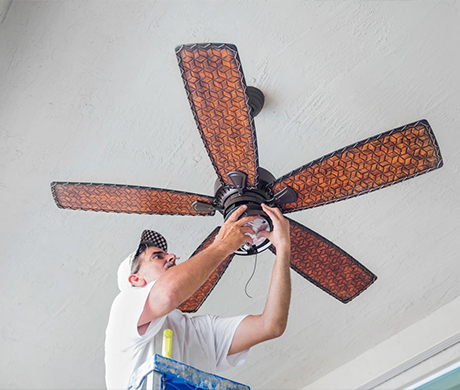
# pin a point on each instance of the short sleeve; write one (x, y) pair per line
(224, 331)
(126, 310)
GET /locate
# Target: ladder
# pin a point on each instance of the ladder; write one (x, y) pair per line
(161, 373)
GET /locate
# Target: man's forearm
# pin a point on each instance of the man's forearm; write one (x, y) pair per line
(272, 322)
(178, 283)
(181, 281)
(279, 296)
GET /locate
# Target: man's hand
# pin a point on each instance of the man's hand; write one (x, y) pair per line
(233, 232)
(279, 237)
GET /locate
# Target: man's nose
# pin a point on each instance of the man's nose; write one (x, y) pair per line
(171, 257)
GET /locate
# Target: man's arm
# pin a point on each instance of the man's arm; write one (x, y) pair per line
(180, 282)
(272, 322)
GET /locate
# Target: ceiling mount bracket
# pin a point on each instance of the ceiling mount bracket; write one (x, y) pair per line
(256, 100)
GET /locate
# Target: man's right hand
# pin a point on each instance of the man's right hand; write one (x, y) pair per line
(279, 237)
(233, 233)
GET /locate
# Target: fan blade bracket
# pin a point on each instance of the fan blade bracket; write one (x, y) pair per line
(239, 180)
(286, 195)
(203, 207)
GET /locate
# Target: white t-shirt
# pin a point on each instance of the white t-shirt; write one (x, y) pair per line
(199, 341)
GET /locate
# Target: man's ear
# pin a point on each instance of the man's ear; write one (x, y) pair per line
(137, 281)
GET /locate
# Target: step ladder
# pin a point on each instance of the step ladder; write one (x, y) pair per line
(160, 373)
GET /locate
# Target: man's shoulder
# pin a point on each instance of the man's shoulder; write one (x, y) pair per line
(132, 297)
(134, 292)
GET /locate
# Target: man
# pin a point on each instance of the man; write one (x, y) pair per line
(155, 286)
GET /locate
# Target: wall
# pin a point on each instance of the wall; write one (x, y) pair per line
(397, 351)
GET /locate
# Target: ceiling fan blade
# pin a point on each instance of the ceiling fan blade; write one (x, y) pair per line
(192, 304)
(326, 265)
(366, 166)
(216, 90)
(126, 199)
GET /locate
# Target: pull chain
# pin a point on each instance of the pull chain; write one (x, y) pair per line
(253, 271)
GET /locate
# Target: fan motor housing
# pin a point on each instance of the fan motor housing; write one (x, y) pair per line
(228, 200)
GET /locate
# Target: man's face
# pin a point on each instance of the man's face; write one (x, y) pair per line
(154, 262)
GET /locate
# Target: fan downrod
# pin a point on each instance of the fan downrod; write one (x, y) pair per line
(256, 100)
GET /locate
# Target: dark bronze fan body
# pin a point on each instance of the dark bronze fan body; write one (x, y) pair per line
(224, 109)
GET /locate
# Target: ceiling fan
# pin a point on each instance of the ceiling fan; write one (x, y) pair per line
(224, 109)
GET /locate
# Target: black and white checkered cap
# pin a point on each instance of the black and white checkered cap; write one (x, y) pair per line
(152, 238)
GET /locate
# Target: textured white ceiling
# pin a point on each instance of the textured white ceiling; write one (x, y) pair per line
(90, 91)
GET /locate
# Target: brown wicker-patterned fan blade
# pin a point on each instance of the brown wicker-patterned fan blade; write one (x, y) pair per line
(369, 165)
(192, 304)
(216, 90)
(125, 199)
(326, 265)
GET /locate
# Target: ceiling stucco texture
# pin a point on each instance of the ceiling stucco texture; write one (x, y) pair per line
(90, 91)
